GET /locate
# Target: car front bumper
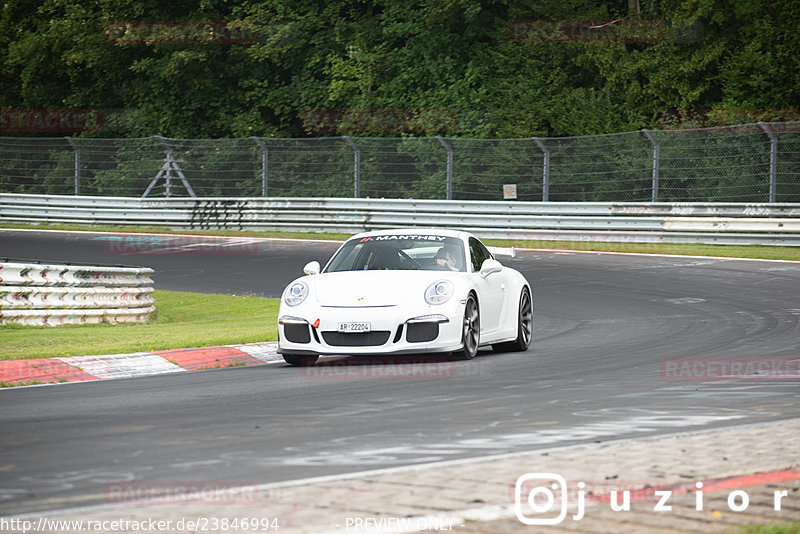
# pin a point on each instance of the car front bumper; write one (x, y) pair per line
(392, 331)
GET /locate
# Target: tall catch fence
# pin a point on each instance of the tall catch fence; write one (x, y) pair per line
(746, 163)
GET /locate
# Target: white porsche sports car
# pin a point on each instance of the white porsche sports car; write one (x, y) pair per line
(403, 291)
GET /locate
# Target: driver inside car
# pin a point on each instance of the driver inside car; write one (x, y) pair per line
(445, 259)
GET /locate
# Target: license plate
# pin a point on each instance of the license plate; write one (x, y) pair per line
(350, 328)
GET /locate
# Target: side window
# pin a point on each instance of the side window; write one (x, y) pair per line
(478, 253)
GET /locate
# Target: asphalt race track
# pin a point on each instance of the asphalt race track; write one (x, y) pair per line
(607, 331)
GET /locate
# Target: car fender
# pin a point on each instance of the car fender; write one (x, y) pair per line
(515, 282)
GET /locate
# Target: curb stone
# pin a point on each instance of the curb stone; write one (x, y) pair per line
(84, 368)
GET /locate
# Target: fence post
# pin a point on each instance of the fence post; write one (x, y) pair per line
(656, 161)
(77, 150)
(545, 169)
(264, 165)
(773, 161)
(356, 166)
(449, 149)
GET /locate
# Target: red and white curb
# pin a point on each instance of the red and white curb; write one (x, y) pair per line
(83, 368)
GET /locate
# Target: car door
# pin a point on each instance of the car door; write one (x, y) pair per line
(491, 289)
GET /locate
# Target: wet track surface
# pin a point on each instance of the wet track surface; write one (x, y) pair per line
(615, 336)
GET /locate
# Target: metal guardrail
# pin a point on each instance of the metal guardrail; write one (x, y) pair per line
(773, 224)
(35, 293)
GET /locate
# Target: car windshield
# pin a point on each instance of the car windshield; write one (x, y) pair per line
(399, 252)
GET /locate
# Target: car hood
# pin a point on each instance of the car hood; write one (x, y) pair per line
(358, 289)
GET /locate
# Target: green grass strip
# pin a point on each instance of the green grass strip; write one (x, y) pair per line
(176, 231)
(788, 528)
(762, 252)
(181, 320)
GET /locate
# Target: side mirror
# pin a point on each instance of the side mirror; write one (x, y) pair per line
(490, 266)
(311, 267)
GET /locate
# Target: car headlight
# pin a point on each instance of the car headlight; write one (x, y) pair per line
(295, 294)
(439, 292)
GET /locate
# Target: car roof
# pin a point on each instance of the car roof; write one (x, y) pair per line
(417, 231)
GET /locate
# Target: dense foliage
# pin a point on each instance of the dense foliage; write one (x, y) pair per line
(463, 62)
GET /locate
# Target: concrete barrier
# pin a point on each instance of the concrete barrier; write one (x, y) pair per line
(33, 293)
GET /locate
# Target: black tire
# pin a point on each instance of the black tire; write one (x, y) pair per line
(471, 330)
(300, 361)
(524, 326)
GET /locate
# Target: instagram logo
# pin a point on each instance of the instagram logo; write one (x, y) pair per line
(535, 496)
